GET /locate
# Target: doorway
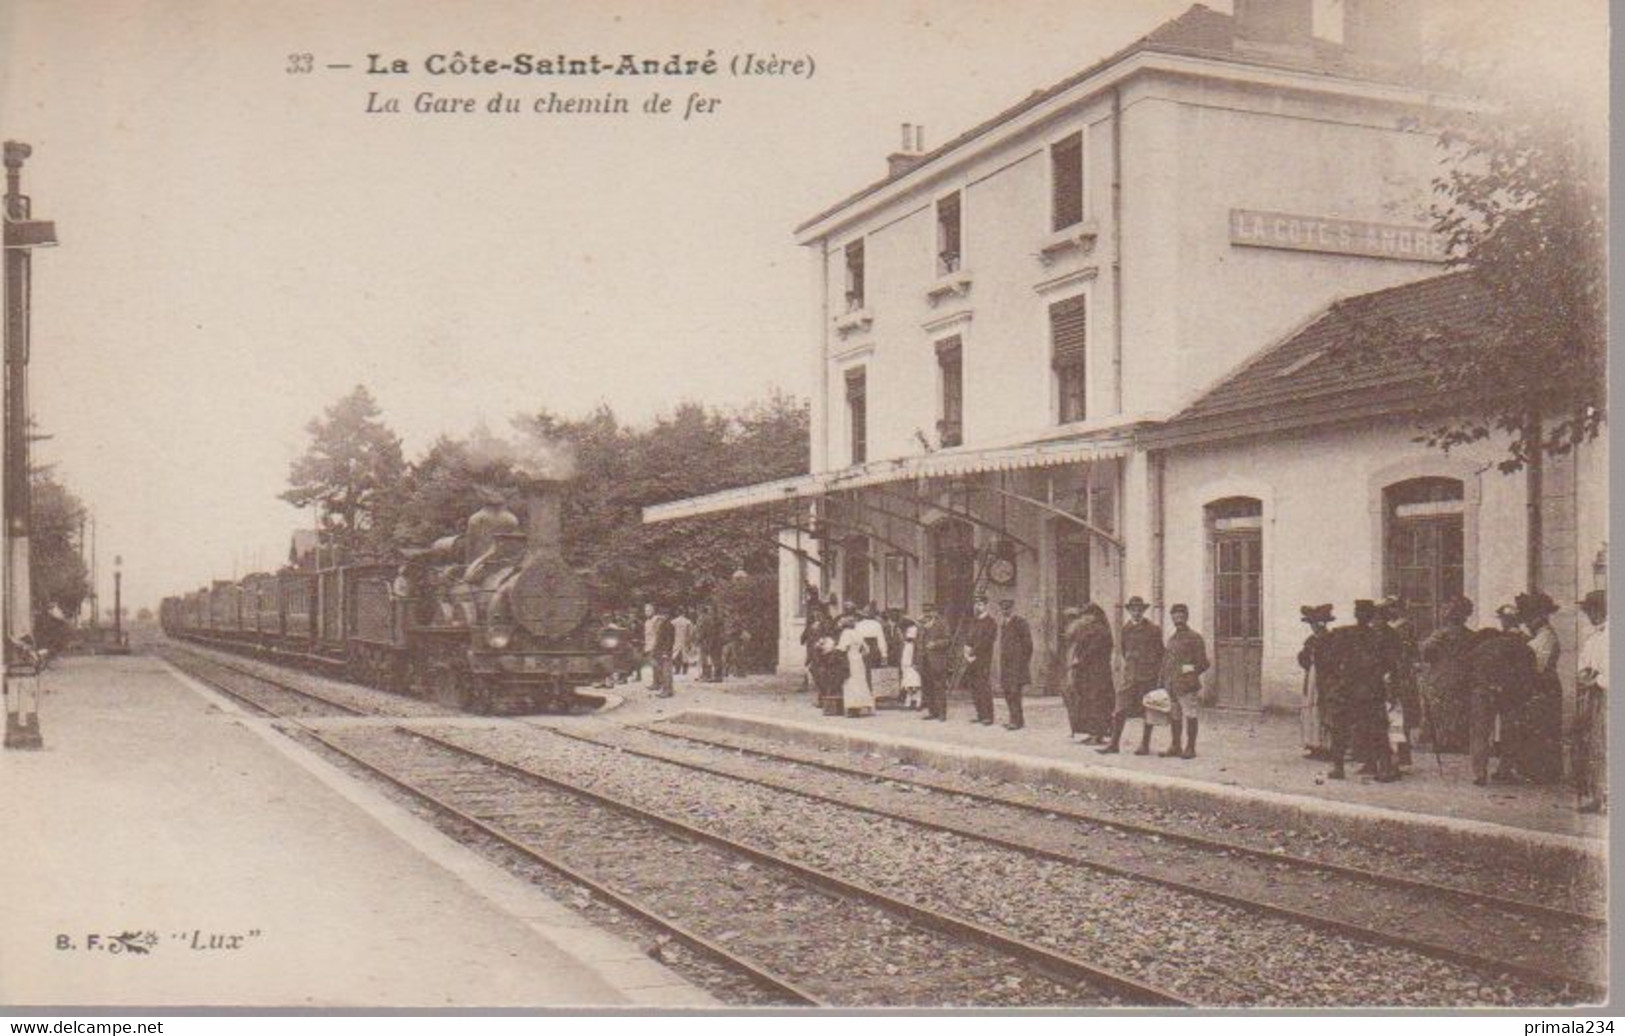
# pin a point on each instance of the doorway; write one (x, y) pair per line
(1236, 537)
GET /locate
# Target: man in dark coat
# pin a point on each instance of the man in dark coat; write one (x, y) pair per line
(1356, 661)
(1072, 691)
(935, 638)
(662, 639)
(1184, 660)
(1015, 648)
(1141, 644)
(1541, 759)
(708, 631)
(979, 638)
(1503, 670)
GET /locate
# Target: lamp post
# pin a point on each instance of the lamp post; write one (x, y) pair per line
(22, 234)
(118, 601)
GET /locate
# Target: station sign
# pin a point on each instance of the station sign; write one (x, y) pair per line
(1415, 244)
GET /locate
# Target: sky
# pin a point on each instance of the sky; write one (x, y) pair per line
(240, 246)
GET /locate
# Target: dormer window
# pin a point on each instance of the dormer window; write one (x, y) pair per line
(1066, 182)
(854, 276)
(949, 237)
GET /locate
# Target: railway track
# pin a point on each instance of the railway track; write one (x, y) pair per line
(1365, 876)
(813, 935)
(885, 944)
(1466, 928)
(806, 935)
(261, 693)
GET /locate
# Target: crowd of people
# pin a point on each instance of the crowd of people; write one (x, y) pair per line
(1373, 691)
(665, 643)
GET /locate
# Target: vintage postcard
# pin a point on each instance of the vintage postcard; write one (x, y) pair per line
(721, 505)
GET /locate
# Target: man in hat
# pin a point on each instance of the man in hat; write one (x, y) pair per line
(1015, 657)
(1356, 665)
(1591, 707)
(1141, 644)
(1316, 731)
(935, 641)
(1447, 679)
(983, 631)
(1404, 659)
(1502, 668)
(1184, 660)
(662, 637)
(1541, 758)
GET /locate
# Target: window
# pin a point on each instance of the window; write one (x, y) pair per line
(855, 571)
(1424, 547)
(857, 408)
(1068, 327)
(950, 429)
(897, 582)
(1066, 182)
(948, 235)
(854, 276)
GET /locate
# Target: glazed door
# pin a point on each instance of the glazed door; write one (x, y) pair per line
(1238, 643)
(953, 558)
(1424, 567)
(1071, 576)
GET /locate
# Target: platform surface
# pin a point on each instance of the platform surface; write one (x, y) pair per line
(1238, 750)
(257, 876)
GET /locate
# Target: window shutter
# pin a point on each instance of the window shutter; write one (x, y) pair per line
(1068, 332)
(855, 384)
(1066, 179)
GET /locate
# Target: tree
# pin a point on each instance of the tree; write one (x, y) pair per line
(1523, 207)
(351, 471)
(1521, 201)
(59, 580)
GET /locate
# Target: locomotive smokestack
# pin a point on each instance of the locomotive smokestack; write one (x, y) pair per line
(544, 504)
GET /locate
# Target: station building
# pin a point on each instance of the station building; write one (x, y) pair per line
(1080, 352)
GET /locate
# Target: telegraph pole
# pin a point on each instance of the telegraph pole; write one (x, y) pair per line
(22, 234)
(118, 601)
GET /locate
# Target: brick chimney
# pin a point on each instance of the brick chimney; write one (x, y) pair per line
(1387, 31)
(1283, 26)
(908, 156)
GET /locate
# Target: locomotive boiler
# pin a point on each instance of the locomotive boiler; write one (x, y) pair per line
(491, 620)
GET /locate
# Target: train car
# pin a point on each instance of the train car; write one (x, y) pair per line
(298, 591)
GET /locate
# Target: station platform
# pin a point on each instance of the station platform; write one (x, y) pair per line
(165, 849)
(1249, 765)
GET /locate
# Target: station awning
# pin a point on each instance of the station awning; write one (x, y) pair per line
(941, 464)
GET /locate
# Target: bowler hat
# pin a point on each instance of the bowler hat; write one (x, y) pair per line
(1180, 608)
(1135, 602)
(1595, 599)
(1365, 609)
(1317, 613)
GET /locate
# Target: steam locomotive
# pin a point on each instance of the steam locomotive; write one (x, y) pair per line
(493, 620)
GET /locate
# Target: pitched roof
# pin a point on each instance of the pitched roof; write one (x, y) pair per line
(1309, 377)
(1199, 32)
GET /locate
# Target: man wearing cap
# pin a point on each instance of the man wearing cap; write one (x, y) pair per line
(1591, 707)
(1541, 758)
(1403, 659)
(979, 638)
(1502, 668)
(1140, 640)
(935, 640)
(1317, 734)
(1184, 660)
(1015, 658)
(1447, 679)
(1356, 665)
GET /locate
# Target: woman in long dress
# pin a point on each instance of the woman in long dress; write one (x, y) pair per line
(1316, 732)
(858, 699)
(1096, 687)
